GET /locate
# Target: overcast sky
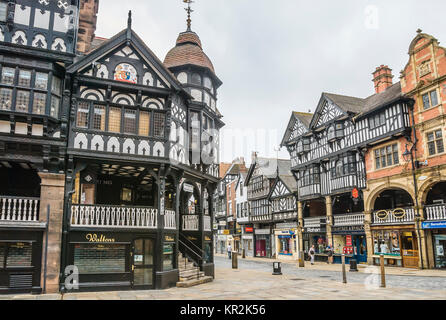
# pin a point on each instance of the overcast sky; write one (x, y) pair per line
(278, 56)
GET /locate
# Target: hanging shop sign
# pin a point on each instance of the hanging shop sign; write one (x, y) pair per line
(348, 241)
(249, 229)
(355, 193)
(188, 188)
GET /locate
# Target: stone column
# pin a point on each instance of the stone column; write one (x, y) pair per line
(329, 209)
(52, 193)
(368, 235)
(300, 219)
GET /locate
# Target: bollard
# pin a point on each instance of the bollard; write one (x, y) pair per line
(277, 268)
(344, 275)
(234, 260)
(301, 259)
(383, 271)
(353, 265)
(243, 254)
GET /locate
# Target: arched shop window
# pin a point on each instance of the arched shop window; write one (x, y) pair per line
(34, 91)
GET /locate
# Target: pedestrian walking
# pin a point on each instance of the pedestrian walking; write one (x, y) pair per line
(312, 252)
(229, 251)
(330, 254)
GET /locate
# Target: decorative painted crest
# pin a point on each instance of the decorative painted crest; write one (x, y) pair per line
(126, 72)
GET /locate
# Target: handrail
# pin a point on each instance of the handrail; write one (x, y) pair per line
(191, 243)
(191, 254)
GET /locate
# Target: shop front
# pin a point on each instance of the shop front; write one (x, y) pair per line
(438, 232)
(263, 243)
(286, 241)
(316, 237)
(248, 240)
(222, 243)
(121, 260)
(350, 241)
(399, 245)
(20, 261)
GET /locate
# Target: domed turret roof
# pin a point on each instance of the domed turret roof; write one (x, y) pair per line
(188, 50)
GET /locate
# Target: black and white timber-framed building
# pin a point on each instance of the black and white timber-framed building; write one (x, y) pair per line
(37, 42)
(109, 159)
(327, 152)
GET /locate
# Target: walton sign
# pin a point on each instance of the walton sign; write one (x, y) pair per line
(398, 213)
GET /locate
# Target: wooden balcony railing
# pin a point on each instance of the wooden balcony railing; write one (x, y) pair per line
(315, 222)
(113, 216)
(435, 212)
(394, 216)
(19, 209)
(170, 221)
(352, 219)
(190, 223)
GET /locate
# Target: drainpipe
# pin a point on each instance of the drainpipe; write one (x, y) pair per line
(414, 148)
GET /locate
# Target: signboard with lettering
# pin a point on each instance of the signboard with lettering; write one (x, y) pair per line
(249, 229)
(188, 187)
(348, 241)
(434, 225)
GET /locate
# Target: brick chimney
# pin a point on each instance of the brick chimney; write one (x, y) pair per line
(87, 24)
(382, 78)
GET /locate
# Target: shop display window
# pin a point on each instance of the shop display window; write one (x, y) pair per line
(168, 256)
(439, 248)
(99, 258)
(339, 242)
(19, 255)
(386, 242)
(207, 252)
(285, 245)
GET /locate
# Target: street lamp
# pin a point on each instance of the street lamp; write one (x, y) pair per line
(408, 156)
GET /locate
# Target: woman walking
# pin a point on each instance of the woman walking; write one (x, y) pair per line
(312, 252)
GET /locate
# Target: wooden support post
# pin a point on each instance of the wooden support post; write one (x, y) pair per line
(344, 274)
(383, 272)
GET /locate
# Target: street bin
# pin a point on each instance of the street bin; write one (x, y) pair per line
(277, 268)
(353, 265)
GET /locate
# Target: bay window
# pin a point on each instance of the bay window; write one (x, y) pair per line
(31, 95)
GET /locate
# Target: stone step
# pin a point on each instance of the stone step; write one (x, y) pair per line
(194, 282)
(188, 273)
(188, 265)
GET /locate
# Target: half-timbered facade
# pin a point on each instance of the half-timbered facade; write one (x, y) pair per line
(284, 210)
(37, 42)
(261, 176)
(142, 169)
(328, 161)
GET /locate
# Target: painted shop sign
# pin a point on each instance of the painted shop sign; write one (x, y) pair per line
(262, 231)
(249, 229)
(314, 230)
(434, 225)
(398, 213)
(207, 238)
(169, 239)
(348, 229)
(93, 237)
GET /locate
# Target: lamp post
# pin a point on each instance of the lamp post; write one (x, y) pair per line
(408, 156)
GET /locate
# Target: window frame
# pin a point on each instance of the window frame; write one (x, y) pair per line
(435, 142)
(429, 96)
(383, 162)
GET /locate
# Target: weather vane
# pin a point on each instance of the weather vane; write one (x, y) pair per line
(189, 11)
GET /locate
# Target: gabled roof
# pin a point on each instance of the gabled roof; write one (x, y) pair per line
(129, 37)
(346, 103)
(376, 101)
(288, 181)
(269, 167)
(303, 118)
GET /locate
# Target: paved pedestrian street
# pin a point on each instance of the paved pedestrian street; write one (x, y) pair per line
(253, 280)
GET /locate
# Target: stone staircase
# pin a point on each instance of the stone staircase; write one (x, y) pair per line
(189, 274)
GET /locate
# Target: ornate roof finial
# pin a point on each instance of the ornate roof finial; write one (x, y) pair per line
(419, 30)
(189, 11)
(129, 21)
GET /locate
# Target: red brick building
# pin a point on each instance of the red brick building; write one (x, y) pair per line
(405, 200)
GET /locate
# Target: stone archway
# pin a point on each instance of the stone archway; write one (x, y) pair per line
(370, 197)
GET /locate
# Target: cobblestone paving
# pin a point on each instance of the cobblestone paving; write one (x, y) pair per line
(253, 280)
(368, 274)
